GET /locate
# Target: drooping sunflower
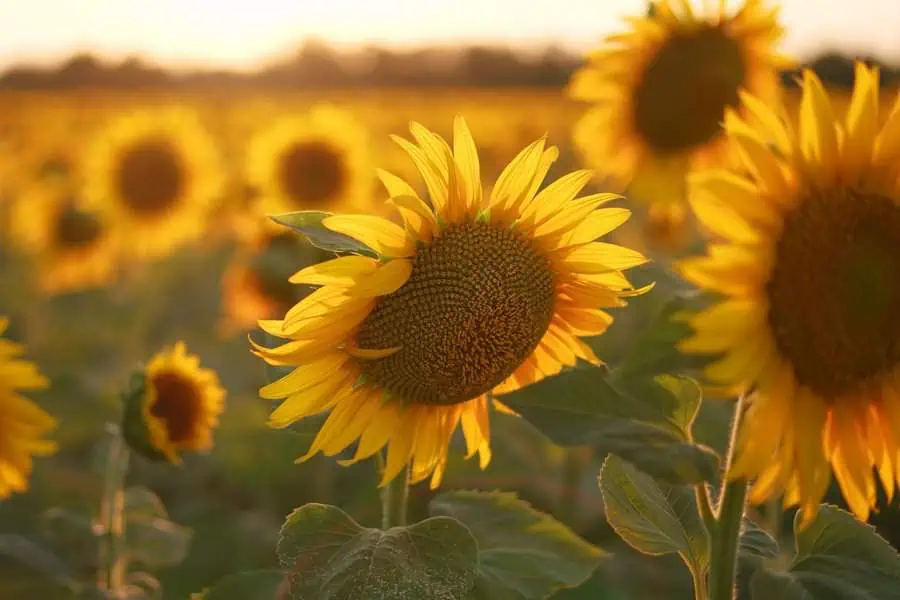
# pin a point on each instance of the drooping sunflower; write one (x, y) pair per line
(660, 90)
(473, 296)
(807, 257)
(154, 175)
(316, 161)
(175, 406)
(23, 424)
(73, 247)
(255, 284)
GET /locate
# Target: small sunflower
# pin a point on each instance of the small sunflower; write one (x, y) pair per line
(808, 262)
(660, 91)
(255, 284)
(155, 175)
(23, 424)
(317, 161)
(474, 296)
(72, 245)
(175, 407)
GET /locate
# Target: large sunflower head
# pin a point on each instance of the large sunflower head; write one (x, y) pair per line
(174, 406)
(807, 258)
(316, 161)
(155, 174)
(660, 91)
(473, 296)
(73, 246)
(23, 424)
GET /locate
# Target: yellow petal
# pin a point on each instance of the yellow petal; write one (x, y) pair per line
(341, 271)
(741, 195)
(818, 134)
(516, 178)
(387, 279)
(379, 234)
(312, 400)
(466, 155)
(862, 120)
(599, 257)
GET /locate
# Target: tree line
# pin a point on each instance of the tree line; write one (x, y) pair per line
(316, 64)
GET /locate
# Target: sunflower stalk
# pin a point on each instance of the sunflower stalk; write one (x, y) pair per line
(394, 497)
(726, 532)
(113, 569)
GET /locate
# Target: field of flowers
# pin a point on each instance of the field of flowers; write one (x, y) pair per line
(636, 339)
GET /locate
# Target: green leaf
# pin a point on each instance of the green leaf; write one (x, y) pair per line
(652, 517)
(655, 348)
(756, 543)
(309, 224)
(155, 541)
(329, 556)
(580, 406)
(140, 501)
(523, 554)
(838, 557)
(30, 554)
(251, 585)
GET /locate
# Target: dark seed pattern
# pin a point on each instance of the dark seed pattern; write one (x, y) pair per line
(76, 228)
(834, 292)
(680, 100)
(150, 177)
(178, 403)
(312, 174)
(477, 303)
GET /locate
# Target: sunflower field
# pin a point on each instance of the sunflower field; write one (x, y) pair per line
(637, 338)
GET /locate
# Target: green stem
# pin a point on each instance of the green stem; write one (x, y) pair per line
(113, 560)
(394, 497)
(700, 591)
(726, 534)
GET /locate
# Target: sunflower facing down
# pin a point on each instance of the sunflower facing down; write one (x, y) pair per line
(316, 161)
(154, 175)
(174, 407)
(808, 259)
(474, 296)
(659, 93)
(23, 424)
(73, 247)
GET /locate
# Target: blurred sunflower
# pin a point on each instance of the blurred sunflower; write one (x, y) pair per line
(473, 297)
(808, 261)
(73, 247)
(317, 161)
(660, 91)
(23, 424)
(175, 407)
(255, 284)
(155, 175)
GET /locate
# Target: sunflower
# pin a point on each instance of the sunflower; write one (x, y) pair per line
(317, 161)
(472, 297)
(660, 91)
(176, 406)
(155, 175)
(808, 263)
(255, 284)
(22, 423)
(73, 246)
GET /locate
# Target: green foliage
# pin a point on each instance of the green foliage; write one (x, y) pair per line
(651, 430)
(309, 224)
(38, 559)
(652, 517)
(838, 558)
(329, 556)
(134, 423)
(523, 554)
(252, 585)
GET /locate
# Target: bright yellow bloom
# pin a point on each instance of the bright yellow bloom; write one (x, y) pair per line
(181, 403)
(23, 424)
(73, 247)
(316, 161)
(155, 175)
(807, 257)
(473, 296)
(660, 91)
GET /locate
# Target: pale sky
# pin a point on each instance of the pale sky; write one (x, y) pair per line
(241, 34)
